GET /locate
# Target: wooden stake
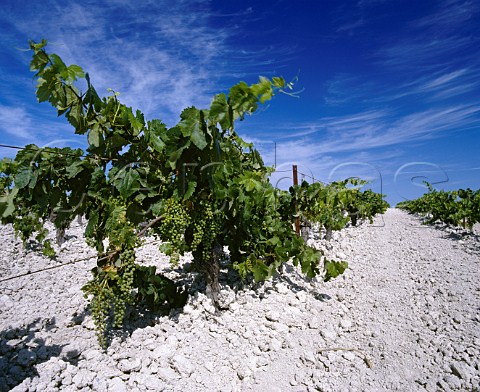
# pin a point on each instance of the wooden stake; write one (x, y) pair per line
(295, 182)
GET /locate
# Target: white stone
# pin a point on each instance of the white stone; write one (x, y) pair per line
(83, 378)
(328, 333)
(182, 365)
(275, 344)
(167, 374)
(100, 384)
(130, 365)
(346, 324)
(272, 316)
(152, 382)
(116, 385)
(6, 302)
(282, 288)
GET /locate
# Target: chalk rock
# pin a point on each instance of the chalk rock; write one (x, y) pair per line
(117, 385)
(182, 365)
(130, 365)
(83, 378)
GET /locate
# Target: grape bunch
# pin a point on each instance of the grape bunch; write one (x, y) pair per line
(111, 288)
(100, 306)
(205, 230)
(175, 222)
(123, 294)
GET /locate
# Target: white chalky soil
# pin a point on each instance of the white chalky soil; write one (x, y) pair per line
(408, 307)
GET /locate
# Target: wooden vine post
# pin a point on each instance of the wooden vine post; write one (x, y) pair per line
(295, 182)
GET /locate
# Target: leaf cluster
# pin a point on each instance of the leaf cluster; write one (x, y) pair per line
(338, 203)
(458, 207)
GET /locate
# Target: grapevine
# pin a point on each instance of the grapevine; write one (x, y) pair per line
(197, 187)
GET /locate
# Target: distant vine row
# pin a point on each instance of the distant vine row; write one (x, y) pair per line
(459, 207)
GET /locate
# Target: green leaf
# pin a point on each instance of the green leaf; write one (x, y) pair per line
(220, 112)
(39, 61)
(266, 96)
(23, 178)
(95, 136)
(175, 156)
(71, 73)
(334, 269)
(48, 249)
(274, 240)
(193, 126)
(263, 89)
(75, 168)
(251, 184)
(260, 271)
(278, 82)
(7, 205)
(129, 184)
(242, 100)
(137, 121)
(135, 213)
(190, 189)
(198, 137)
(92, 223)
(158, 208)
(76, 118)
(58, 63)
(115, 142)
(166, 248)
(43, 90)
(154, 133)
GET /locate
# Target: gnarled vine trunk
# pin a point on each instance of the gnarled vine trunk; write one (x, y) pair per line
(328, 233)
(211, 270)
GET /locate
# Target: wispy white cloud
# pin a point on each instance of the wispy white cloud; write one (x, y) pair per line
(349, 27)
(449, 16)
(431, 53)
(16, 122)
(365, 134)
(173, 59)
(418, 90)
(444, 79)
(20, 125)
(434, 40)
(431, 87)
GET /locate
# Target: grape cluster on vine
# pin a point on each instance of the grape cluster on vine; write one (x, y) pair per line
(174, 223)
(112, 291)
(205, 230)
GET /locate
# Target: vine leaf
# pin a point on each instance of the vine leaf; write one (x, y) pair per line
(220, 111)
(334, 268)
(251, 184)
(192, 126)
(129, 184)
(75, 168)
(260, 271)
(190, 189)
(153, 135)
(23, 178)
(7, 207)
(94, 136)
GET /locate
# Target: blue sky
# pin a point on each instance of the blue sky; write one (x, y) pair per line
(388, 90)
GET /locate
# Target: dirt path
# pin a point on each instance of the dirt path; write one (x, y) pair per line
(409, 303)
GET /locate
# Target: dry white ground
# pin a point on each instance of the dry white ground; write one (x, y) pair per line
(404, 317)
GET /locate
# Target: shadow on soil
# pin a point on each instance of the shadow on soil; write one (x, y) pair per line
(21, 350)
